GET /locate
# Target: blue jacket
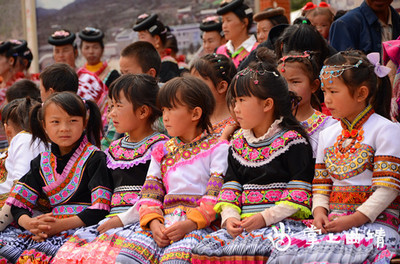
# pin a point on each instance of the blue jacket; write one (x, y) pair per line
(360, 29)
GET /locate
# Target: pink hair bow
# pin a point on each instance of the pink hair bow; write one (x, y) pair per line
(380, 70)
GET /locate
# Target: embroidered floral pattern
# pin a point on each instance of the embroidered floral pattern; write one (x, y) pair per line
(124, 198)
(315, 122)
(56, 189)
(230, 193)
(64, 211)
(120, 156)
(178, 152)
(101, 197)
(23, 196)
(262, 154)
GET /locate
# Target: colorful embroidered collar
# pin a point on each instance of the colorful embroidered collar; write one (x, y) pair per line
(359, 120)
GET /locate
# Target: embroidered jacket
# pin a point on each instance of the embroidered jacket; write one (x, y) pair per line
(276, 168)
(314, 125)
(129, 163)
(186, 177)
(77, 183)
(355, 159)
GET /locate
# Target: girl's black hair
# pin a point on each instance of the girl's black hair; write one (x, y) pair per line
(216, 67)
(17, 111)
(261, 79)
(300, 38)
(309, 65)
(191, 92)
(138, 89)
(10, 53)
(380, 89)
(74, 106)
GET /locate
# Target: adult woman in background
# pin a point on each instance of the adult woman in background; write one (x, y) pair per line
(237, 19)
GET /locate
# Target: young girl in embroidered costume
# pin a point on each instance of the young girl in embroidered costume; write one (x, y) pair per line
(216, 71)
(73, 176)
(269, 174)
(357, 180)
(183, 180)
(134, 111)
(301, 72)
(15, 118)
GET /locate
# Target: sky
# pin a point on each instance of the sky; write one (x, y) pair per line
(52, 4)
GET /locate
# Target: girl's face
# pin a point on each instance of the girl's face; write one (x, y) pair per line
(178, 120)
(92, 52)
(250, 112)
(5, 65)
(299, 81)
(338, 99)
(263, 28)
(211, 41)
(62, 129)
(322, 24)
(125, 119)
(232, 26)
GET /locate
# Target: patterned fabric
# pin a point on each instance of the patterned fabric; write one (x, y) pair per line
(365, 244)
(354, 159)
(92, 88)
(128, 162)
(142, 248)
(88, 167)
(177, 155)
(122, 155)
(218, 127)
(316, 123)
(254, 247)
(182, 183)
(254, 183)
(87, 245)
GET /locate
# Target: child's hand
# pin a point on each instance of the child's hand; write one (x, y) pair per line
(41, 225)
(346, 222)
(228, 131)
(253, 222)
(233, 226)
(157, 229)
(178, 230)
(321, 219)
(113, 222)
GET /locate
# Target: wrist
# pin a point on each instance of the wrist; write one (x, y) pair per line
(192, 224)
(320, 211)
(24, 220)
(153, 223)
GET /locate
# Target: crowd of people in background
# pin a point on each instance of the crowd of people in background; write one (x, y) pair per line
(275, 146)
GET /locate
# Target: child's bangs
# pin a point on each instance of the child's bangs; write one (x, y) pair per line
(168, 95)
(69, 102)
(241, 85)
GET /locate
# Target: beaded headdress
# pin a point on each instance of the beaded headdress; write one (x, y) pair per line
(336, 72)
(306, 54)
(255, 73)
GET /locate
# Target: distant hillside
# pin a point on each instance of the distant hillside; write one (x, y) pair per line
(117, 14)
